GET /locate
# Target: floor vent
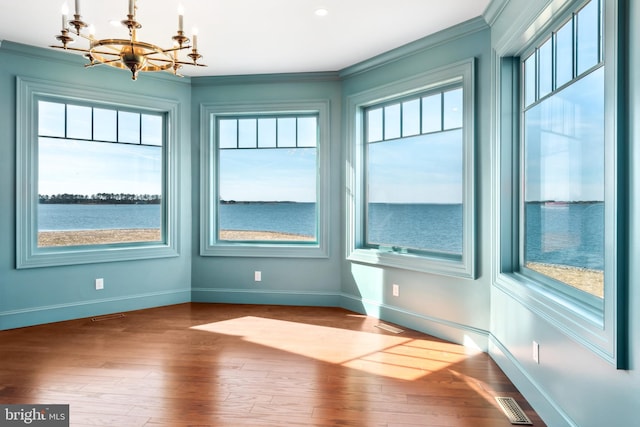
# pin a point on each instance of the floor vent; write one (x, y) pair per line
(389, 328)
(107, 317)
(513, 411)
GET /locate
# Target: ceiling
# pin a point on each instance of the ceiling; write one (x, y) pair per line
(252, 36)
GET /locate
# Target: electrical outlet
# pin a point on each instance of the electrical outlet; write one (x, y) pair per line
(99, 284)
(536, 352)
(396, 290)
(257, 276)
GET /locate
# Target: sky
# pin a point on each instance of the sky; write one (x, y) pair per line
(421, 169)
(564, 144)
(85, 167)
(80, 166)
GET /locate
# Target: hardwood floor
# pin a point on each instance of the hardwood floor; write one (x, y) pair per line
(246, 365)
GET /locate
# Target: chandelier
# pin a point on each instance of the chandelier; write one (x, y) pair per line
(129, 54)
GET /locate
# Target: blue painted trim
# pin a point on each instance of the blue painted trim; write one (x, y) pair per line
(446, 36)
(541, 402)
(493, 11)
(460, 73)
(209, 191)
(440, 328)
(61, 312)
(271, 297)
(28, 254)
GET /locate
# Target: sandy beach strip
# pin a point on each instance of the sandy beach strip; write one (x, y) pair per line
(588, 280)
(101, 237)
(265, 236)
(97, 237)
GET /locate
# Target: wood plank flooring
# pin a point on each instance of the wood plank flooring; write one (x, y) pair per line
(249, 365)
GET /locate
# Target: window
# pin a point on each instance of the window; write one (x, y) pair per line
(267, 179)
(264, 191)
(411, 201)
(560, 221)
(563, 180)
(414, 174)
(99, 175)
(94, 180)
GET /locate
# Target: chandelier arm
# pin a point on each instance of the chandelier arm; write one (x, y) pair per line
(105, 53)
(190, 63)
(175, 49)
(94, 63)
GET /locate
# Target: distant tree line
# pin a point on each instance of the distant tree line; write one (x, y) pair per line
(101, 199)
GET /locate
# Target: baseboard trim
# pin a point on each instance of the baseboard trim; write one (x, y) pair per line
(60, 312)
(542, 403)
(458, 333)
(279, 297)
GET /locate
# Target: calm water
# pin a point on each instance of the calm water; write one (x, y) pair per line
(570, 234)
(296, 218)
(412, 226)
(93, 217)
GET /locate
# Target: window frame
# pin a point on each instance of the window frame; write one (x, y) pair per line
(461, 74)
(210, 244)
(28, 254)
(600, 329)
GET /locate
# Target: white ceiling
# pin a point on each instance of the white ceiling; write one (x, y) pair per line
(253, 36)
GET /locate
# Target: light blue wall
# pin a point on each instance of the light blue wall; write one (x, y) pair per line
(297, 281)
(40, 295)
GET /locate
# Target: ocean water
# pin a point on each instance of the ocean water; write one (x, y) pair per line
(56, 217)
(566, 234)
(433, 227)
(295, 218)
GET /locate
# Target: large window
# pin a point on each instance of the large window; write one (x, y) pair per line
(563, 180)
(560, 209)
(414, 174)
(411, 188)
(267, 179)
(96, 176)
(100, 175)
(265, 185)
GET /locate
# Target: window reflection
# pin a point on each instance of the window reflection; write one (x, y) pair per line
(564, 184)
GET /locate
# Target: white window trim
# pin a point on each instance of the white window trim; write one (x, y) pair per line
(461, 73)
(209, 243)
(601, 330)
(28, 254)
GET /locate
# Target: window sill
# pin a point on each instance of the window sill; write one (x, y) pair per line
(93, 254)
(454, 266)
(280, 250)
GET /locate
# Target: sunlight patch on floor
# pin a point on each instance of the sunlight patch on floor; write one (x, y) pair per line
(385, 355)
